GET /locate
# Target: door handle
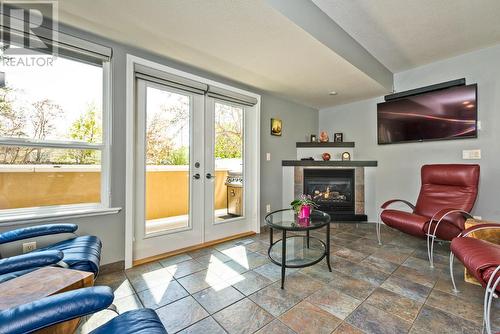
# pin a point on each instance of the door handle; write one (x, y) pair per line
(196, 176)
(210, 176)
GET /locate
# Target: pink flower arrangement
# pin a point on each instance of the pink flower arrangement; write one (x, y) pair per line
(303, 205)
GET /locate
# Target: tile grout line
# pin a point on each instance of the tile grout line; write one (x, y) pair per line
(413, 254)
(379, 286)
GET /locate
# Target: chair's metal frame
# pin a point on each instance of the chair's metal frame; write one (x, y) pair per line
(379, 221)
(431, 237)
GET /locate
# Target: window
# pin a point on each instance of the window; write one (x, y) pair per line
(54, 148)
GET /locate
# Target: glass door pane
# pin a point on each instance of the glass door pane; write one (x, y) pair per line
(170, 207)
(229, 158)
(167, 160)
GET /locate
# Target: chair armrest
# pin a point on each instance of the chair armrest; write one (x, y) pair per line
(441, 214)
(445, 212)
(479, 227)
(36, 231)
(386, 204)
(55, 309)
(30, 261)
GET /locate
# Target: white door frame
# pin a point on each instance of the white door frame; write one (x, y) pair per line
(130, 186)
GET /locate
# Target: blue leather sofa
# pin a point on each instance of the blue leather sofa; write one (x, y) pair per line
(65, 306)
(78, 252)
(19, 265)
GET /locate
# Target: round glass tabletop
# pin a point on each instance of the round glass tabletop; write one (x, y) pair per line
(287, 219)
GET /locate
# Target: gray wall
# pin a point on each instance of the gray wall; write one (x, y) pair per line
(298, 121)
(398, 173)
(298, 124)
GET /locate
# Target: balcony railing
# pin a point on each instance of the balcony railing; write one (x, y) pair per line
(167, 187)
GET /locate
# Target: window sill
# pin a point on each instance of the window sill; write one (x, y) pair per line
(32, 217)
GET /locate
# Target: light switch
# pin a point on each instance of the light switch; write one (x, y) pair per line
(471, 154)
(268, 156)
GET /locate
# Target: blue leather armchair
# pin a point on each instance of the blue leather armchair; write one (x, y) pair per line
(65, 306)
(19, 265)
(78, 252)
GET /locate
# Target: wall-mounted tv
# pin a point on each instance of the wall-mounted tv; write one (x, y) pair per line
(449, 113)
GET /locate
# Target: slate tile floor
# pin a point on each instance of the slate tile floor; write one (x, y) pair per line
(234, 288)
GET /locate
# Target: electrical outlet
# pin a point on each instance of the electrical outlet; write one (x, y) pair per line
(268, 156)
(268, 208)
(471, 154)
(29, 246)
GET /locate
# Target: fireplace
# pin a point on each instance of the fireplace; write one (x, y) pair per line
(332, 189)
(339, 191)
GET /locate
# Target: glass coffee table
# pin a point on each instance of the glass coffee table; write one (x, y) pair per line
(298, 251)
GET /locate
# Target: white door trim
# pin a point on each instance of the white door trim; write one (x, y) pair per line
(130, 145)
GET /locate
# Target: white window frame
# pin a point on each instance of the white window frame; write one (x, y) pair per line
(35, 214)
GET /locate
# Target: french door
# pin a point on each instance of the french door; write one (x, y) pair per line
(190, 174)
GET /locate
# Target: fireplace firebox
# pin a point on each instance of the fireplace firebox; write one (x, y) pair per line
(332, 189)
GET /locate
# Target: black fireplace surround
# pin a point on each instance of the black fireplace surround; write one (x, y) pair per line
(333, 190)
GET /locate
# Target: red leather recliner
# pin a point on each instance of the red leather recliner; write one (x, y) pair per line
(482, 259)
(447, 195)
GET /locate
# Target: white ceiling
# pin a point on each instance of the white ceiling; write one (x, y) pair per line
(403, 34)
(250, 42)
(247, 41)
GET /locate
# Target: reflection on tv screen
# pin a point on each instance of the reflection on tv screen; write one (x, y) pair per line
(449, 113)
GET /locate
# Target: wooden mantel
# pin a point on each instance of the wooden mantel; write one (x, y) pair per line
(328, 144)
(331, 163)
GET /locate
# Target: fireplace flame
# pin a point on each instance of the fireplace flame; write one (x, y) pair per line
(328, 195)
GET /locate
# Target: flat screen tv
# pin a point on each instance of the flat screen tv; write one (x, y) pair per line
(449, 113)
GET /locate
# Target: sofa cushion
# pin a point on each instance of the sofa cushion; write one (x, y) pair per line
(445, 231)
(486, 274)
(80, 253)
(480, 257)
(453, 186)
(405, 221)
(8, 276)
(137, 321)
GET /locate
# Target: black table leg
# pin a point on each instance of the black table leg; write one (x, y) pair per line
(328, 246)
(307, 235)
(283, 259)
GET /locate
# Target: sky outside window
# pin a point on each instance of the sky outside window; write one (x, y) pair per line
(74, 87)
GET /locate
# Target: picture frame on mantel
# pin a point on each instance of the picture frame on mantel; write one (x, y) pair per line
(338, 137)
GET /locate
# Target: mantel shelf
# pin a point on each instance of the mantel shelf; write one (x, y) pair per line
(327, 144)
(331, 163)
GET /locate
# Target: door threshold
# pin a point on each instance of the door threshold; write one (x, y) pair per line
(190, 248)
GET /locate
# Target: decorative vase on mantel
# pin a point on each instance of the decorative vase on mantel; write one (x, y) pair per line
(323, 137)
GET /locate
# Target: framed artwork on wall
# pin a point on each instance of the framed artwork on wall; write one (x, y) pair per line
(276, 127)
